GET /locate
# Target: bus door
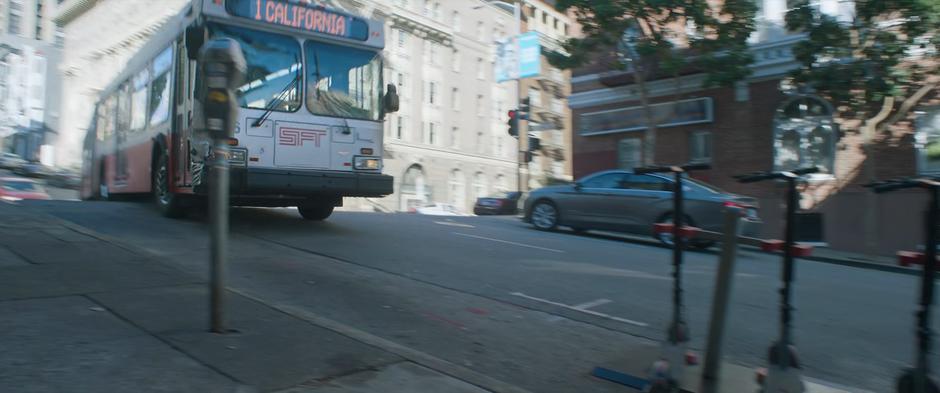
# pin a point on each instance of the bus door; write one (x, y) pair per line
(183, 116)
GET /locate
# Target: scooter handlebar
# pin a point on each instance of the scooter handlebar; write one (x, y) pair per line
(805, 171)
(696, 167)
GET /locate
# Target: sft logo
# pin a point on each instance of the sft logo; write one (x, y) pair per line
(298, 137)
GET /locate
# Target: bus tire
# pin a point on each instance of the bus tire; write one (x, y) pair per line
(169, 204)
(315, 212)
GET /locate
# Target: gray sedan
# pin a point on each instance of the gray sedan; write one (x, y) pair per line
(622, 201)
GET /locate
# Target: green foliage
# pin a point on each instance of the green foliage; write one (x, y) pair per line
(856, 64)
(718, 43)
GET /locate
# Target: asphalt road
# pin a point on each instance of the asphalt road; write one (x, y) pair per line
(531, 308)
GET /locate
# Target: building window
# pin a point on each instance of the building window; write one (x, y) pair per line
(458, 189)
(481, 72)
(427, 11)
(629, 153)
(479, 104)
(456, 21)
(401, 83)
(535, 97)
(479, 185)
(13, 17)
(432, 92)
(700, 147)
(435, 54)
(479, 142)
(804, 135)
(400, 127)
(481, 32)
(454, 137)
(432, 133)
(455, 98)
(402, 39)
(455, 65)
(927, 141)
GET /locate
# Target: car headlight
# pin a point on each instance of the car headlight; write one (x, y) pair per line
(368, 163)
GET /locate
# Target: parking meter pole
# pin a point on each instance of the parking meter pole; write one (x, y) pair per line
(218, 218)
(786, 309)
(223, 66)
(729, 248)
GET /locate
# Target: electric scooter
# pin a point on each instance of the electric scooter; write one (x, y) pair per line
(665, 372)
(783, 374)
(917, 379)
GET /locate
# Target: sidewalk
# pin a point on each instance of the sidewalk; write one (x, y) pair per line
(79, 314)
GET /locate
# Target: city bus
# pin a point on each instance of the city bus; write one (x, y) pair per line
(309, 127)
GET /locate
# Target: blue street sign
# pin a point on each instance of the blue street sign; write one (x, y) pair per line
(529, 54)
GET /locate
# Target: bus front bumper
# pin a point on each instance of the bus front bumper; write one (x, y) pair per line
(307, 183)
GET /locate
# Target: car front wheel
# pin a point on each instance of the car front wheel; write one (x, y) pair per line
(544, 216)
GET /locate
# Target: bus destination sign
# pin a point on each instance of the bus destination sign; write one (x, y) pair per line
(301, 16)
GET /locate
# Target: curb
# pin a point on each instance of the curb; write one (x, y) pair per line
(813, 258)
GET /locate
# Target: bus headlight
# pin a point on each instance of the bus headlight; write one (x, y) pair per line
(238, 156)
(369, 163)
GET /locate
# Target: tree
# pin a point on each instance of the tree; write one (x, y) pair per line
(645, 36)
(874, 67)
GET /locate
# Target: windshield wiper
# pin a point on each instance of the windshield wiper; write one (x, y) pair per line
(316, 73)
(279, 97)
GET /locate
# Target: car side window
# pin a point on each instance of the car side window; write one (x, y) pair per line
(609, 180)
(646, 183)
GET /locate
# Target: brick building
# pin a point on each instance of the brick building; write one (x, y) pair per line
(758, 126)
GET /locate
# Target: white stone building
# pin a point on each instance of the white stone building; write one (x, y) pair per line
(29, 85)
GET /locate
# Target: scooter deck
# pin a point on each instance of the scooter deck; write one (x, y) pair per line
(624, 378)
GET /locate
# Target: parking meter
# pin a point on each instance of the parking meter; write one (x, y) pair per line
(222, 66)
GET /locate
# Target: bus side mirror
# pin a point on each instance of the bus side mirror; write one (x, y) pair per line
(195, 38)
(391, 99)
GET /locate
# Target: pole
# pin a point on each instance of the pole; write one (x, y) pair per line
(729, 248)
(924, 333)
(520, 154)
(786, 309)
(678, 243)
(218, 218)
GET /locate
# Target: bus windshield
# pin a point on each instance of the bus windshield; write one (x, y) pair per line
(343, 81)
(274, 68)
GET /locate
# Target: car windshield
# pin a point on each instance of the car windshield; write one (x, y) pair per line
(21, 186)
(274, 68)
(343, 81)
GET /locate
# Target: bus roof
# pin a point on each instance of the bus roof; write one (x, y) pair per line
(174, 27)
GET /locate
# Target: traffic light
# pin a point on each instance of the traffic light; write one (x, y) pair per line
(534, 144)
(513, 122)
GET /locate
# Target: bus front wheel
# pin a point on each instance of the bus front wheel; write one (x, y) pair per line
(317, 212)
(168, 202)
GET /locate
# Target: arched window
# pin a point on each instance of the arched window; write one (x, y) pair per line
(480, 189)
(414, 190)
(458, 189)
(804, 134)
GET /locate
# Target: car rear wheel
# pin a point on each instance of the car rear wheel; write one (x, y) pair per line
(544, 216)
(315, 212)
